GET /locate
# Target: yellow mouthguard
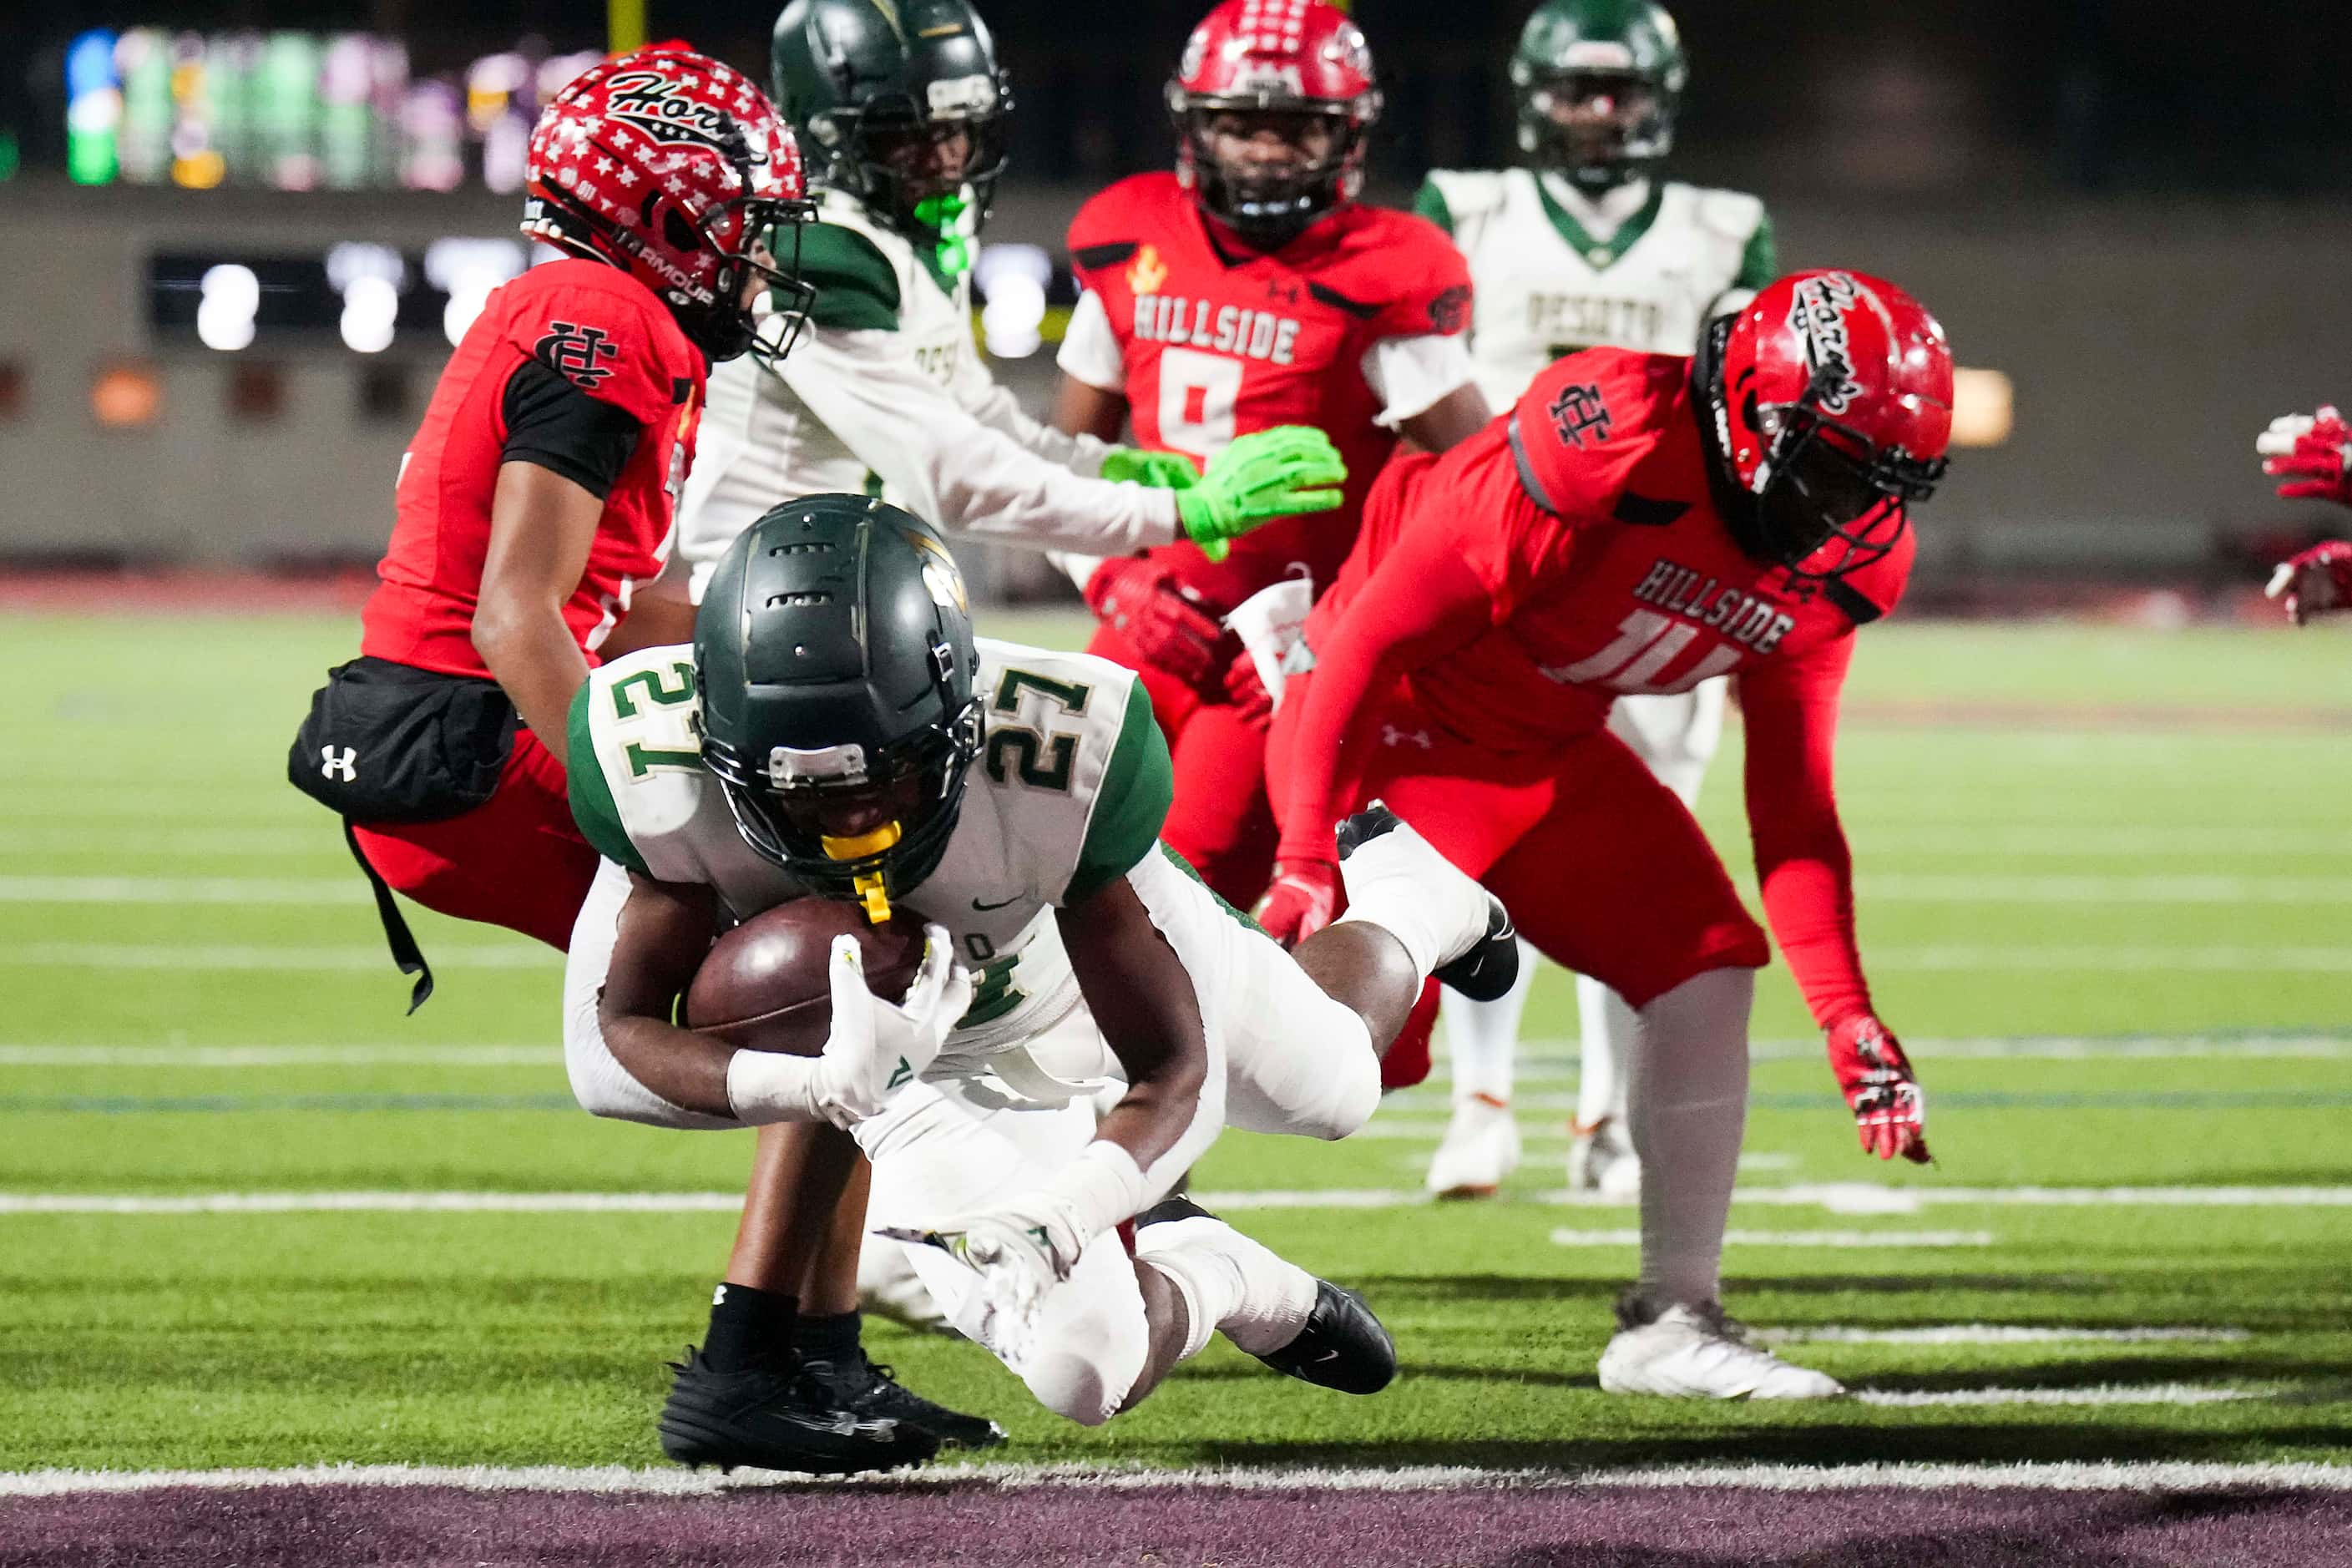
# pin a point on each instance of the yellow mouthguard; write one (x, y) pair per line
(871, 893)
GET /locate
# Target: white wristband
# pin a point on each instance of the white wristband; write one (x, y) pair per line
(775, 1086)
(1096, 1191)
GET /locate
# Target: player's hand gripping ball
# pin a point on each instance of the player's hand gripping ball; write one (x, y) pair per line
(1890, 1111)
(812, 977)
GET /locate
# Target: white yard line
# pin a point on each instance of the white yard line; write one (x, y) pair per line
(1993, 1334)
(1802, 1240)
(2106, 1475)
(146, 1058)
(1897, 887)
(1853, 1198)
(161, 956)
(2103, 1393)
(178, 843)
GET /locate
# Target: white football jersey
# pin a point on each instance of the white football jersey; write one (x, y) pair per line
(1068, 794)
(1545, 288)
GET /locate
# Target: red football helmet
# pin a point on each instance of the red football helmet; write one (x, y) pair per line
(1832, 397)
(1275, 61)
(675, 168)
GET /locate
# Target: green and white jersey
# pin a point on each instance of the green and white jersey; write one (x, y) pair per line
(886, 393)
(1546, 287)
(1067, 796)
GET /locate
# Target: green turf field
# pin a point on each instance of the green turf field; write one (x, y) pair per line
(2113, 869)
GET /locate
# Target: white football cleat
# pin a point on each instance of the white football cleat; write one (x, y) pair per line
(1601, 1159)
(1693, 1351)
(1480, 1148)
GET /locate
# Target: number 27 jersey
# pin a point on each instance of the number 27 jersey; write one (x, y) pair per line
(1218, 341)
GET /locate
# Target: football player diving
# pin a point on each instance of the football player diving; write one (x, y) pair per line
(1586, 244)
(836, 731)
(903, 112)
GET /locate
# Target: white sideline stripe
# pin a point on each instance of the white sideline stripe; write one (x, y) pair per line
(1897, 887)
(2163, 1476)
(190, 844)
(276, 1056)
(1993, 960)
(1806, 1240)
(1992, 1334)
(2087, 840)
(1960, 888)
(1838, 1197)
(254, 890)
(2103, 1393)
(148, 956)
(1541, 1061)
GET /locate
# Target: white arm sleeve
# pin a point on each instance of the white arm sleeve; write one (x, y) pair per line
(1090, 349)
(952, 469)
(991, 403)
(1412, 376)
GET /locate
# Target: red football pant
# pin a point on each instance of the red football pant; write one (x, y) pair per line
(1601, 867)
(516, 860)
(1222, 821)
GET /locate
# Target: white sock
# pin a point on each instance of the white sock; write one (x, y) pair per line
(1401, 884)
(1688, 1098)
(1605, 1026)
(1482, 1037)
(1228, 1282)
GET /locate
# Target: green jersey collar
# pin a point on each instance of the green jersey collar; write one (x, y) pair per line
(1598, 254)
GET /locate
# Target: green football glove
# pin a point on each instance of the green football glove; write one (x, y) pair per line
(1281, 472)
(1153, 471)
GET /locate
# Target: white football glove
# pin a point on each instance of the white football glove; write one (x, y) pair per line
(877, 1047)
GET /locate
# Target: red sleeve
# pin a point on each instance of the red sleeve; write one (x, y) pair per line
(1802, 861)
(607, 345)
(1432, 291)
(1422, 601)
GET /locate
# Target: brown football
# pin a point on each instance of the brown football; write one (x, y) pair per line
(763, 986)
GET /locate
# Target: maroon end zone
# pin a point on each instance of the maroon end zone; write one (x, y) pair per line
(979, 1523)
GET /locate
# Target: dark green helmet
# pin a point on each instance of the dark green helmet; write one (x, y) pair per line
(835, 658)
(1597, 83)
(900, 104)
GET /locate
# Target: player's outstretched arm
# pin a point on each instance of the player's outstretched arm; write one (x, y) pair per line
(1805, 871)
(2311, 453)
(1422, 602)
(1142, 999)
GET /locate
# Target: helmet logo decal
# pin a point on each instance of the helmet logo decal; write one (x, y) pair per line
(572, 352)
(941, 576)
(1818, 313)
(657, 105)
(1148, 273)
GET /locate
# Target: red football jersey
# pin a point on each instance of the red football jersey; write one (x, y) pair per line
(1621, 580)
(612, 338)
(1219, 340)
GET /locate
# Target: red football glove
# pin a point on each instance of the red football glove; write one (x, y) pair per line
(1247, 693)
(1170, 624)
(2313, 452)
(1889, 1111)
(2315, 582)
(1300, 900)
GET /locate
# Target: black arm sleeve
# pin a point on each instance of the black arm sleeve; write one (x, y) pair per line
(552, 423)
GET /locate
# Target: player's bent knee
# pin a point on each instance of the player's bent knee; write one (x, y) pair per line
(1075, 1387)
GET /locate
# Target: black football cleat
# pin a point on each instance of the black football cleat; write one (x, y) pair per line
(1488, 971)
(1343, 1346)
(778, 1417)
(872, 1391)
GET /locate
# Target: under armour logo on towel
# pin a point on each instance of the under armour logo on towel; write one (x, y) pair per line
(341, 765)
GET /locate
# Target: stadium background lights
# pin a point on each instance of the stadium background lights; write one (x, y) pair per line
(231, 298)
(370, 279)
(467, 270)
(1012, 278)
